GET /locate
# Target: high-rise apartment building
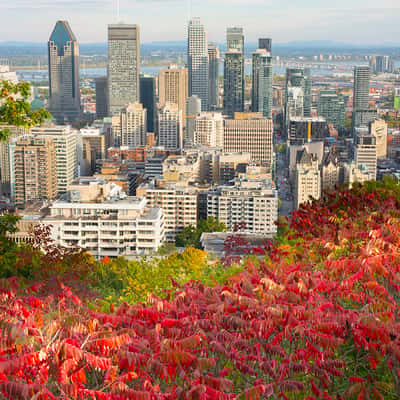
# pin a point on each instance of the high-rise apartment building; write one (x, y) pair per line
(361, 88)
(250, 133)
(210, 129)
(170, 127)
(101, 97)
(130, 126)
(65, 141)
(123, 66)
(5, 161)
(365, 151)
(148, 99)
(233, 83)
(265, 85)
(173, 87)
(213, 75)
(34, 170)
(64, 92)
(332, 107)
(193, 110)
(198, 62)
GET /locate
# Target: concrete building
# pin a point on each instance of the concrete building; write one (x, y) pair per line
(332, 107)
(381, 64)
(210, 129)
(101, 97)
(235, 39)
(365, 151)
(130, 126)
(307, 178)
(230, 165)
(99, 217)
(33, 170)
(170, 127)
(198, 62)
(250, 133)
(5, 161)
(361, 88)
(233, 82)
(64, 93)
(251, 206)
(213, 76)
(379, 129)
(179, 205)
(148, 92)
(173, 87)
(362, 118)
(94, 148)
(193, 110)
(307, 129)
(354, 173)
(261, 92)
(65, 141)
(123, 68)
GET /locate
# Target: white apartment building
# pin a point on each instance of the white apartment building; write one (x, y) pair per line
(99, 217)
(170, 127)
(253, 205)
(365, 152)
(130, 127)
(307, 178)
(353, 173)
(209, 129)
(65, 140)
(179, 205)
(379, 129)
(250, 133)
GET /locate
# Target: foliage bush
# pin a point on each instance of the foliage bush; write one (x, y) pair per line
(317, 318)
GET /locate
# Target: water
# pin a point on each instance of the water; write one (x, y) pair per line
(280, 69)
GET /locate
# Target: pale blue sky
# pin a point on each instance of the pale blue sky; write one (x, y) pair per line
(355, 21)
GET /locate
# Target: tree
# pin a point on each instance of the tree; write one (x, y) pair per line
(190, 236)
(15, 109)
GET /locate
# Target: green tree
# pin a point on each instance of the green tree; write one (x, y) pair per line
(15, 109)
(190, 236)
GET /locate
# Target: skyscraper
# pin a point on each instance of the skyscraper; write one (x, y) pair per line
(331, 106)
(148, 99)
(173, 87)
(198, 62)
(361, 88)
(64, 94)
(131, 129)
(193, 109)
(101, 97)
(234, 71)
(235, 39)
(265, 43)
(123, 66)
(170, 129)
(265, 85)
(233, 83)
(213, 75)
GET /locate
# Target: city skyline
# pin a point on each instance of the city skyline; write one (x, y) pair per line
(286, 21)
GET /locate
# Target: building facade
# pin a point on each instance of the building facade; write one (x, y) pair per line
(98, 217)
(379, 129)
(33, 170)
(101, 97)
(148, 92)
(64, 92)
(198, 62)
(123, 68)
(251, 206)
(65, 141)
(365, 152)
(213, 76)
(170, 127)
(332, 107)
(210, 129)
(250, 133)
(233, 82)
(193, 110)
(361, 88)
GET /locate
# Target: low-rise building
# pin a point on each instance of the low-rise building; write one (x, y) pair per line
(98, 217)
(249, 205)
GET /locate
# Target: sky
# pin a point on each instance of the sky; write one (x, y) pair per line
(349, 21)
